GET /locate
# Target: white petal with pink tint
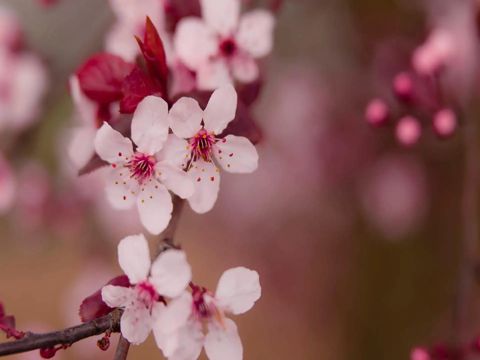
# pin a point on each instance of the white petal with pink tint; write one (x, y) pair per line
(136, 324)
(185, 117)
(190, 341)
(134, 257)
(154, 206)
(206, 179)
(223, 342)
(117, 296)
(171, 273)
(238, 289)
(150, 124)
(244, 68)
(119, 41)
(176, 151)
(255, 33)
(194, 42)
(86, 108)
(81, 148)
(121, 189)
(221, 109)
(212, 74)
(172, 317)
(112, 146)
(221, 15)
(175, 180)
(236, 154)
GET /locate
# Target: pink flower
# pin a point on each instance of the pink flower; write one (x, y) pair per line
(222, 46)
(167, 276)
(201, 129)
(179, 326)
(144, 174)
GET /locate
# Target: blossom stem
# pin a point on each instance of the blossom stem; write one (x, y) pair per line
(68, 336)
(122, 349)
(469, 246)
(166, 240)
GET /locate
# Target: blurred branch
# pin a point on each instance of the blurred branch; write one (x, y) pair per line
(68, 336)
(468, 261)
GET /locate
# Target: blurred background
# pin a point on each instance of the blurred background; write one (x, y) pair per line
(356, 237)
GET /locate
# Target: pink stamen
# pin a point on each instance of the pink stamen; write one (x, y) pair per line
(201, 145)
(147, 293)
(141, 166)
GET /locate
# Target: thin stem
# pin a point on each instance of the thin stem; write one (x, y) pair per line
(122, 349)
(68, 336)
(469, 244)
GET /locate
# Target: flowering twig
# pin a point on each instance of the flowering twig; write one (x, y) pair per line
(122, 349)
(68, 336)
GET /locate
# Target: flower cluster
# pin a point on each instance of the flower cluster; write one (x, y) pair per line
(158, 300)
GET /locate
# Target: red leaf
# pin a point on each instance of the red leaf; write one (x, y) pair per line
(93, 306)
(136, 87)
(101, 77)
(154, 54)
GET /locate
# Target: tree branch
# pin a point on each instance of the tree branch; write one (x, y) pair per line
(122, 349)
(68, 336)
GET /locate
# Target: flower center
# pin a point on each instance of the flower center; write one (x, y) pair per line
(141, 167)
(147, 294)
(201, 145)
(202, 308)
(228, 47)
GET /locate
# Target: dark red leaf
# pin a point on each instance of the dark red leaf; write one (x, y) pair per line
(154, 54)
(93, 306)
(136, 87)
(101, 77)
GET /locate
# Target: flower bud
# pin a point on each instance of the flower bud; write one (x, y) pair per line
(408, 131)
(48, 353)
(419, 353)
(445, 122)
(376, 112)
(403, 86)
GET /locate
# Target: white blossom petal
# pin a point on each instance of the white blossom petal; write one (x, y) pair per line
(112, 146)
(150, 124)
(136, 323)
(176, 152)
(206, 180)
(190, 341)
(223, 342)
(117, 296)
(170, 273)
(154, 206)
(185, 117)
(194, 42)
(238, 289)
(255, 33)
(121, 189)
(221, 15)
(175, 179)
(213, 74)
(134, 257)
(221, 109)
(244, 68)
(236, 154)
(81, 148)
(85, 107)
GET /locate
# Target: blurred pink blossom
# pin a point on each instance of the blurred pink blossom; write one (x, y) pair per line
(408, 131)
(377, 112)
(445, 122)
(7, 185)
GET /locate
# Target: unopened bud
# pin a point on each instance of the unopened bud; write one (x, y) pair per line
(445, 123)
(376, 112)
(408, 131)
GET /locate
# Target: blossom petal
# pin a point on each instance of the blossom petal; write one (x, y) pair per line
(206, 179)
(194, 42)
(171, 273)
(155, 207)
(175, 180)
(221, 15)
(255, 33)
(238, 289)
(85, 107)
(185, 117)
(81, 148)
(213, 74)
(112, 146)
(236, 154)
(150, 124)
(134, 257)
(136, 323)
(223, 342)
(244, 68)
(221, 109)
(117, 296)
(187, 342)
(176, 151)
(121, 189)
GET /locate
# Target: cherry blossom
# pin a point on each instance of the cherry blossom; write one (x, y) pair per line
(167, 276)
(223, 46)
(202, 145)
(144, 174)
(179, 327)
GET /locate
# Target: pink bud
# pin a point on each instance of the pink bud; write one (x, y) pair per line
(403, 86)
(408, 130)
(376, 112)
(445, 122)
(419, 354)
(434, 53)
(48, 353)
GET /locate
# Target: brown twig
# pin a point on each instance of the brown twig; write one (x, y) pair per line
(68, 336)
(122, 349)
